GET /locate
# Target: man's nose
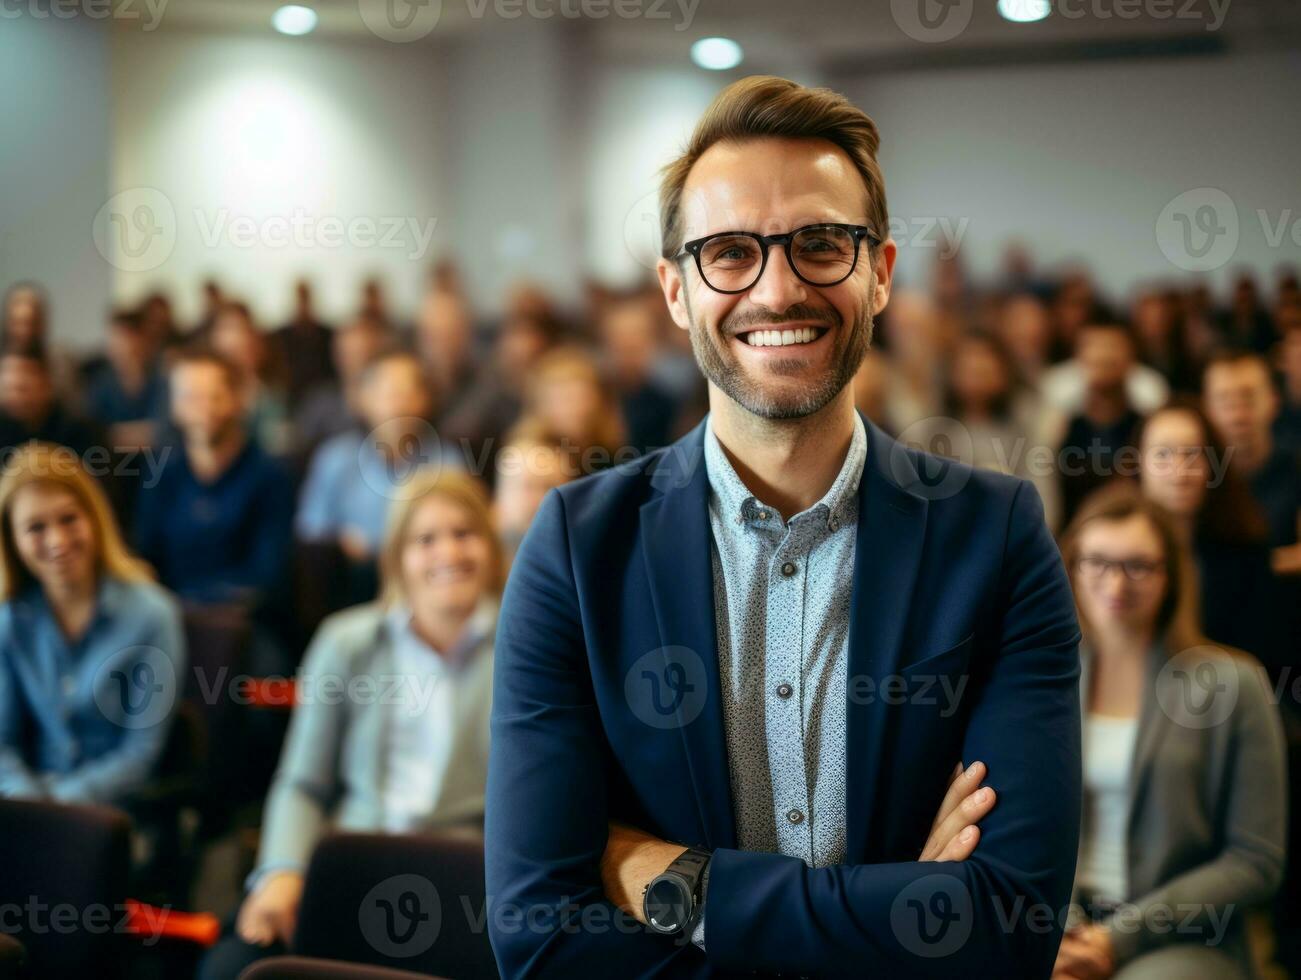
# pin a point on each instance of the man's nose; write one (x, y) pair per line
(779, 288)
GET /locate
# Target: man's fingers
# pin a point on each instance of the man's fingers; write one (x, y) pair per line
(960, 786)
(961, 847)
(971, 810)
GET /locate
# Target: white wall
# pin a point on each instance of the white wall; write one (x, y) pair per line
(277, 156)
(1080, 161)
(54, 171)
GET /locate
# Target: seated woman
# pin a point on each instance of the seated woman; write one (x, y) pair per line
(92, 652)
(1185, 469)
(390, 730)
(1184, 781)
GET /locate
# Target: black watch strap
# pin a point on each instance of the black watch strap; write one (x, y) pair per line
(691, 868)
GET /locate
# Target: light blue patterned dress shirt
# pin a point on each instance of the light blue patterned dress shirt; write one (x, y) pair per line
(781, 603)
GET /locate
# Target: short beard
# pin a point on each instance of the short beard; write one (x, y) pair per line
(725, 371)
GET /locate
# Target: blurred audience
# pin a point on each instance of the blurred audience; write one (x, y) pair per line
(303, 346)
(1242, 403)
(216, 522)
(30, 408)
(414, 758)
(354, 475)
(92, 654)
(261, 389)
(1105, 422)
(1184, 820)
(567, 399)
(1185, 469)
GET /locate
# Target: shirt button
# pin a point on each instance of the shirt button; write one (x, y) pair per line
(763, 515)
(834, 524)
(788, 569)
(795, 816)
(784, 690)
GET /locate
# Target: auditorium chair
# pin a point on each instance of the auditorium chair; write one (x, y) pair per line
(365, 892)
(65, 861)
(310, 968)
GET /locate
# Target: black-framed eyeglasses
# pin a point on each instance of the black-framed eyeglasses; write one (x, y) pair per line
(821, 255)
(1094, 567)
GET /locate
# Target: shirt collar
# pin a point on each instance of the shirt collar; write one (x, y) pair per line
(839, 505)
(480, 627)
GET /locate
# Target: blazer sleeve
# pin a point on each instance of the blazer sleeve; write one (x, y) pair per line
(1250, 868)
(1005, 904)
(547, 817)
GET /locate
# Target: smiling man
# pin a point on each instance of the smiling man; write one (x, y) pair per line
(720, 742)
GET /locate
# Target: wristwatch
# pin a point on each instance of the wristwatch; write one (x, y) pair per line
(673, 899)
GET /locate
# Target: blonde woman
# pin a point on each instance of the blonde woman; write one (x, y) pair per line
(567, 399)
(390, 731)
(91, 649)
(1184, 778)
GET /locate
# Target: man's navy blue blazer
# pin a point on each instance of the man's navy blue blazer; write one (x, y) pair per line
(606, 706)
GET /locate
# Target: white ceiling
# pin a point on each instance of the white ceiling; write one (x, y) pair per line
(842, 34)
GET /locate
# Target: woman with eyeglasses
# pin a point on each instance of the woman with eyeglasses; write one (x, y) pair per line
(1185, 469)
(1184, 803)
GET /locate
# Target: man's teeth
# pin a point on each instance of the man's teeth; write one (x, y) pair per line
(779, 338)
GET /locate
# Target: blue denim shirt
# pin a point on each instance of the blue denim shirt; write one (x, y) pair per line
(349, 486)
(87, 720)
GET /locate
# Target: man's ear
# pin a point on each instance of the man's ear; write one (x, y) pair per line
(674, 288)
(886, 253)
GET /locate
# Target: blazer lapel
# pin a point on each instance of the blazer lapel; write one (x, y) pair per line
(675, 538)
(887, 556)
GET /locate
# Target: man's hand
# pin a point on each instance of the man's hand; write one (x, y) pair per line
(1086, 953)
(632, 859)
(954, 833)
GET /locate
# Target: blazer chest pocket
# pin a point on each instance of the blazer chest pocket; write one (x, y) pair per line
(939, 681)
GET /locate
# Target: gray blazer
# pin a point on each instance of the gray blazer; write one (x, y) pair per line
(332, 768)
(1207, 803)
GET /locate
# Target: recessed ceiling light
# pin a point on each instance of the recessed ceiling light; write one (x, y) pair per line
(1024, 11)
(294, 19)
(716, 53)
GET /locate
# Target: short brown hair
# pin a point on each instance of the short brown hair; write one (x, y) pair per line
(203, 354)
(767, 106)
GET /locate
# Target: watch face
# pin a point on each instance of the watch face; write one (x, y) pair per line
(668, 904)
